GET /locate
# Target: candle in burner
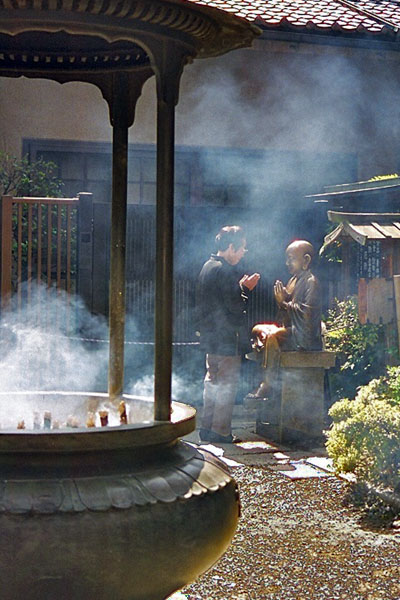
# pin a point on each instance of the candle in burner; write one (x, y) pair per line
(21, 425)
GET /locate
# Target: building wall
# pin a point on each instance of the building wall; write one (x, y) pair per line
(277, 95)
(284, 98)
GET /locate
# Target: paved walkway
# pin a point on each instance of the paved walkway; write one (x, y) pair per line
(257, 451)
(296, 539)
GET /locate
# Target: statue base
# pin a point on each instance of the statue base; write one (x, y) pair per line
(294, 411)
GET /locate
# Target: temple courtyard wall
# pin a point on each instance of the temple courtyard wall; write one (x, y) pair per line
(276, 96)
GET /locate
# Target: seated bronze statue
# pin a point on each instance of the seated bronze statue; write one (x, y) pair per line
(299, 314)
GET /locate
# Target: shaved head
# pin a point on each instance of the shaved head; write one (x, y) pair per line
(301, 246)
(299, 255)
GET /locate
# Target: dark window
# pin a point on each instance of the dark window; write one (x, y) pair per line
(214, 177)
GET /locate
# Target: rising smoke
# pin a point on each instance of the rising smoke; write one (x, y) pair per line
(289, 122)
(50, 342)
(292, 121)
(296, 117)
(42, 347)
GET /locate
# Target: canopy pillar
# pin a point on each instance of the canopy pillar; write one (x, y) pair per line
(168, 62)
(121, 93)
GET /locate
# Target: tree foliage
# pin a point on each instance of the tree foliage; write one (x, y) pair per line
(20, 177)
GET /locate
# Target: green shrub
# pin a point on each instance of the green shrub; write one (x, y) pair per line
(20, 177)
(364, 437)
(360, 349)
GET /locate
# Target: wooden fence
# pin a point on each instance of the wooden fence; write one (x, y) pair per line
(38, 246)
(55, 245)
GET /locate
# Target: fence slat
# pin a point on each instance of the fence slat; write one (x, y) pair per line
(68, 249)
(39, 244)
(29, 251)
(59, 245)
(6, 251)
(49, 243)
(19, 255)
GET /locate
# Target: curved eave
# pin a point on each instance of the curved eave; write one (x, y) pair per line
(232, 37)
(329, 29)
(204, 31)
(233, 31)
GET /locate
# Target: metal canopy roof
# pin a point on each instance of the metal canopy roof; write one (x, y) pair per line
(65, 36)
(105, 41)
(46, 52)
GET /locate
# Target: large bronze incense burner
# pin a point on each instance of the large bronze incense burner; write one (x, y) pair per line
(126, 511)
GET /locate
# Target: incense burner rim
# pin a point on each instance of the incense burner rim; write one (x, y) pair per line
(78, 439)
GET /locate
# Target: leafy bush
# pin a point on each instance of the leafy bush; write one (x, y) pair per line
(364, 437)
(360, 349)
(20, 177)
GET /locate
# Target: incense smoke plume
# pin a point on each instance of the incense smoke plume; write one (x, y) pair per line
(43, 348)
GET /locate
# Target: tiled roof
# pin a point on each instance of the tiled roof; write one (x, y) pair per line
(340, 16)
(363, 226)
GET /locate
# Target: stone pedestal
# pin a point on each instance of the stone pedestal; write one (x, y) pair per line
(295, 411)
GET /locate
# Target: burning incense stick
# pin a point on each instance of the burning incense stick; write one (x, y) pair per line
(123, 418)
(90, 422)
(103, 417)
(36, 420)
(47, 419)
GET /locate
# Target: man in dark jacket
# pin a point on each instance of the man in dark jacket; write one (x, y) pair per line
(221, 321)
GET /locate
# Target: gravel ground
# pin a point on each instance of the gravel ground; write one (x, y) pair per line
(301, 540)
